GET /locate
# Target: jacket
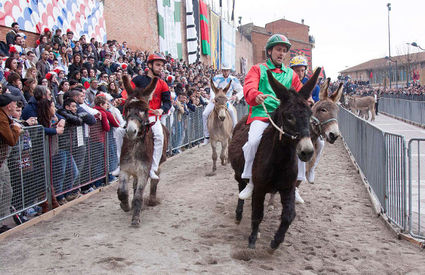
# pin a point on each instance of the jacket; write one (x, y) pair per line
(9, 135)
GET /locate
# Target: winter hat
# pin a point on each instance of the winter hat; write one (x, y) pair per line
(49, 75)
(46, 30)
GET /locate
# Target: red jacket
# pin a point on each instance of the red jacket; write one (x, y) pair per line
(107, 118)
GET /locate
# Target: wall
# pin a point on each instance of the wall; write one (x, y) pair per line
(134, 21)
(243, 49)
(291, 29)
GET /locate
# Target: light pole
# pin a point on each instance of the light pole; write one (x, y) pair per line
(389, 38)
(408, 64)
(396, 70)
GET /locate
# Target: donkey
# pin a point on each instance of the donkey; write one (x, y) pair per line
(137, 150)
(362, 104)
(275, 165)
(220, 125)
(323, 124)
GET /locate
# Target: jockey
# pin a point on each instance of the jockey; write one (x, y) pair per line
(221, 81)
(300, 65)
(159, 104)
(256, 89)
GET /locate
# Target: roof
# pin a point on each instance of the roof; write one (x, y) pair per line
(383, 62)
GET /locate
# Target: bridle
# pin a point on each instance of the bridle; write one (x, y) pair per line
(279, 129)
(315, 122)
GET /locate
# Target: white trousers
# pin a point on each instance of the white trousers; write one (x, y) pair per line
(250, 148)
(207, 112)
(302, 165)
(119, 136)
(158, 144)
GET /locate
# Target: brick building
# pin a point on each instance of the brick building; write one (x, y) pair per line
(297, 33)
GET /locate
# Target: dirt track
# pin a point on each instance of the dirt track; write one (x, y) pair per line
(193, 230)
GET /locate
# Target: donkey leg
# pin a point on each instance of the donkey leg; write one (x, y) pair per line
(137, 202)
(122, 191)
(287, 198)
(223, 155)
(152, 196)
(270, 204)
(214, 153)
(256, 216)
(239, 207)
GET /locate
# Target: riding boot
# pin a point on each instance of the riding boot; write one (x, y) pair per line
(298, 198)
(247, 191)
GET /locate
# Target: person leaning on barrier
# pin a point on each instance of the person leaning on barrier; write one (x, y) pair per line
(221, 81)
(9, 136)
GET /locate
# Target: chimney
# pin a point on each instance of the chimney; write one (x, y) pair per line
(302, 21)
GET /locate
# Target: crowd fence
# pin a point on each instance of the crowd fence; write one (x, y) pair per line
(40, 167)
(409, 110)
(415, 97)
(388, 165)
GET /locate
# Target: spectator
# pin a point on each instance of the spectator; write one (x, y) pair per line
(43, 66)
(9, 135)
(30, 110)
(77, 65)
(63, 88)
(32, 73)
(28, 89)
(91, 93)
(15, 86)
(11, 65)
(57, 38)
(11, 35)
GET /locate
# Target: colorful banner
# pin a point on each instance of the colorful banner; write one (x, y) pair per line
(205, 38)
(169, 31)
(228, 45)
(80, 16)
(192, 34)
(215, 39)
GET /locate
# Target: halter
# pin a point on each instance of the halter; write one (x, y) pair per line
(280, 129)
(316, 123)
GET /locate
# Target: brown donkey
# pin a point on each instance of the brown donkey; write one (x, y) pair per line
(137, 150)
(324, 123)
(275, 165)
(220, 125)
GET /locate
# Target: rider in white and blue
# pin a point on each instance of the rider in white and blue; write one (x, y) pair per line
(221, 81)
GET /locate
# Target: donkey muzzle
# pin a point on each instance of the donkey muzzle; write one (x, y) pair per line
(305, 149)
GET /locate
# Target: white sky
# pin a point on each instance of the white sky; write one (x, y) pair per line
(347, 33)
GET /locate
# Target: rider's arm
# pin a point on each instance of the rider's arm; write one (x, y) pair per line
(165, 98)
(296, 83)
(250, 89)
(238, 88)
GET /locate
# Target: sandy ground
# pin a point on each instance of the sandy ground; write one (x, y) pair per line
(192, 231)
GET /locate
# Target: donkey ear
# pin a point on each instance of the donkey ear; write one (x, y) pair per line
(127, 85)
(278, 88)
(310, 84)
(227, 87)
(147, 92)
(324, 89)
(213, 87)
(337, 95)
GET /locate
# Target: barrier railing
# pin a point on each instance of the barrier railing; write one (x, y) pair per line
(416, 153)
(409, 110)
(23, 177)
(383, 159)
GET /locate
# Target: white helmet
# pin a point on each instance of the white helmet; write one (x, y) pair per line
(225, 67)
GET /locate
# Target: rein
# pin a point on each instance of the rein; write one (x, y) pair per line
(281, 132)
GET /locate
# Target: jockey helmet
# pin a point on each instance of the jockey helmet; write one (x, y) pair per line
(156, 56)
(276, 39)
(298, 60)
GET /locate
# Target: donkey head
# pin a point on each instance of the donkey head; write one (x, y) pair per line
(220, 100)
(325, 112)
(293, 113)
(136, 108)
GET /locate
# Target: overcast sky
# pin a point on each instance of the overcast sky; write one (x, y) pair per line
(347, 33)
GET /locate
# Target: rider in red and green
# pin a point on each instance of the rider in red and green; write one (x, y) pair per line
(256, 81)
(256, 90)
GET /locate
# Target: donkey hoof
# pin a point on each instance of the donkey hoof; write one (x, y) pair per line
(135, 223)
(270, 250)
(153, 202)
(274, 245)
(125, 206)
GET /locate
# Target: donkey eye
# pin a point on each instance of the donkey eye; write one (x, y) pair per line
(323, 110)
(291, 118)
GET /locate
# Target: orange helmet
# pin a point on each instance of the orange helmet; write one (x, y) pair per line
(156, 56)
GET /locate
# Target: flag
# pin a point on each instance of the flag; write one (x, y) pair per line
(205, 38)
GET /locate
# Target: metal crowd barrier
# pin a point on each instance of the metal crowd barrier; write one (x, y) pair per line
(412, 111)
(23, 177)
(388, 166)
(39, 166)
(416, 155)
